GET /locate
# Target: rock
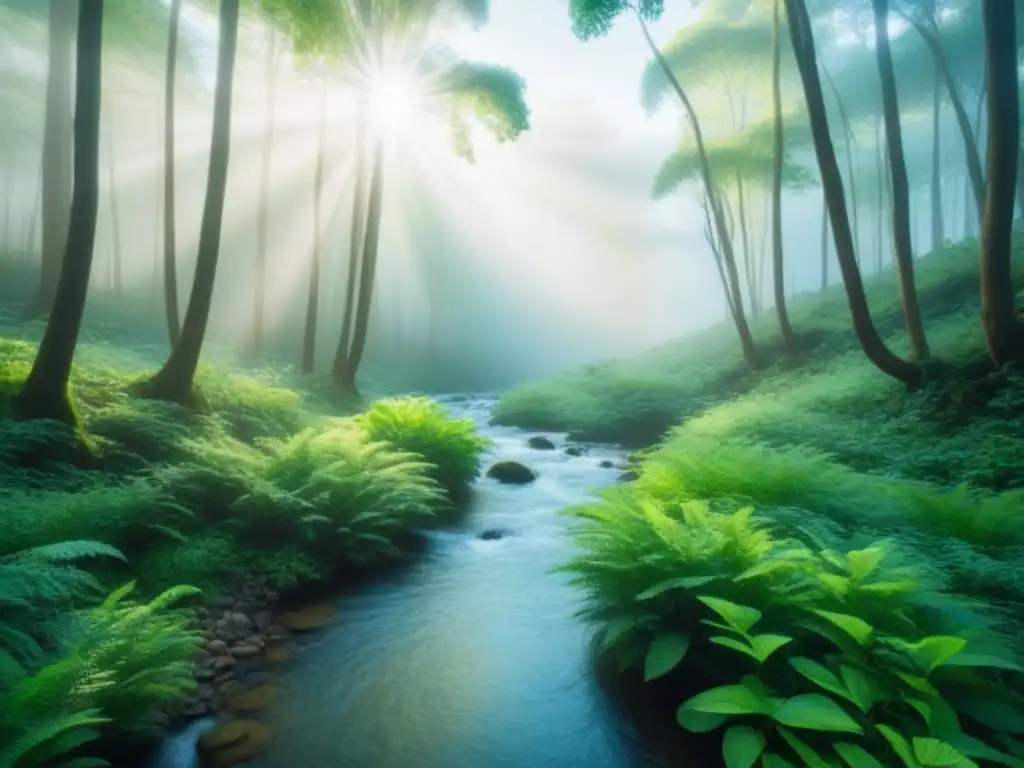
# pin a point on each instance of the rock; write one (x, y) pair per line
(493, 533)
(271, 596)
(607, 464)
(221, 663)
(256, 738)
(203, 674)
(276, 631)
(224, 603)
(512, 472)
(309, 618)
(258, 678)
(226, 735)
(574, 450)
(217, 647)
(628, 476)
(256, 698)
(262, 620)
(206, 692)
(540, 443)
(245, 651)
(277, 654)
(193, 711)
(229, 688)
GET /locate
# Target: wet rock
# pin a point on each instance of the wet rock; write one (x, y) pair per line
(492, 534)
(224, 603)
(254, 699)
(245, 651)
(222, 663)
(628, 476)
(309, 618)
(226, 735)
(575, 450)
(258, 678)
(262, 620)
(607, 464)
(203, 674)
(230, 688)
(199, 709)
(258, 736)
(217, 647)
(540, 443)
(277, 654)
(512, 472)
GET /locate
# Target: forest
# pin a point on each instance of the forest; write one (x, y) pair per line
(461, 383)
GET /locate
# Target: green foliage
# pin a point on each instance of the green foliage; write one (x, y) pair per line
(420, 425)
(594, 18)
(494, 96)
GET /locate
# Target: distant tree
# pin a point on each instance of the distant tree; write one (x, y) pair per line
(45, 393)
(778, 149)
(1003, 330)
(116, 265)
(308, 362)
(170, 271)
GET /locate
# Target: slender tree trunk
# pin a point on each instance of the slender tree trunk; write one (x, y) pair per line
(748, 260)
(824, 243)
(709, 234)
(750, 353)
(174, 380)
(170, 222)
(1020, 182)
(850, 150)
(888, 200)
(778, 268)
(115, 217)
(260, 297)
(938, 226)
(879, 165)
(900, 184)
(369, 268)
(874, 347)
(58, 154)
(33, 217)
(313, 294)
(45, 394)
(766, 216)
(1003, 330)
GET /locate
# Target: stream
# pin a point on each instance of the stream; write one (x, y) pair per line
(471, 657)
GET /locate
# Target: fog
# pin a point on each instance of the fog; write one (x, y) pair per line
(546, 252)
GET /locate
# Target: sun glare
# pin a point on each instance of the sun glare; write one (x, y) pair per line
(395, 101)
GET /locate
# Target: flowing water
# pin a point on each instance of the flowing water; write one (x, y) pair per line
(471, 658)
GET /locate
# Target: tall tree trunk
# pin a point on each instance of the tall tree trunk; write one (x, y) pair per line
(174, 380)
(888, 200)
(1003, 330)
(260, 297)
(369, 268)
(45, 394)
(900, 184)
(824, 243)
(7, 224)
(938, 226)
(115, 218)
(1020, 182)
(313, 294)
(750, 353)
(874, 347)
(748, 260)
(778, 268)
(33, 217)
(879, 164)
(58, 154)
(848, 138)
(355, 248)
(709, 234)
(170, 223)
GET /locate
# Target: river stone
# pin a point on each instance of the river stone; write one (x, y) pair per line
(512, 472)
(309, 618)
(192, 711)
(277, 654)
(227, 735)
(217, 647)
(540, 443)
(575, 450)
(493, 533)
(221, 663)
(606, 464)
(260, 697)
(628, 476)
(245, 651)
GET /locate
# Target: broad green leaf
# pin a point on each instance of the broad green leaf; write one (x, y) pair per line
(856, 628)
(811, 758)
(863, 691)
(734, 644)
(994, 714)
(815, 712)
(982, 660)
(855, 756)
(616, 629)
(933, 753)
(666, 651)
(934, 651)
(820, 676)
(973, 747)
(863, 562)
(763, 568)
(742, 746)
(921, 707)
(771, 760)
(740, 617)
(698, 722)
(767, 644)
(918, 683)
(729, 700)
(685, 583)
(899, 745)
(943, 722)
(719, 625)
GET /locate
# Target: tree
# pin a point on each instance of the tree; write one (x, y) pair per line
(45, 393)
(900, 184)
(802, 38)
(57, 153)
(792, 346)
(1003, 331)
(115, 216)
(170, 225)
(938, 227)
(174, 380)
(308, 362)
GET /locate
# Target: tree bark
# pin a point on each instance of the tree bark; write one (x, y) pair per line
(874, 347)
(900, 184)
(1003, 330)
(778, 267)
(938, 225)
(748, 260)
(824, 243)
(58, 154)
(879, 228)
(313, 294)
(260, 297)
(170, 222)
(115, 217)
(174, 381)
(850, 147)
(750, 353)
(45, 393)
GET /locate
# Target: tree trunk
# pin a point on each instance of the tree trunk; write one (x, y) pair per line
(874, 347)
(792, 347)
(313, 294)
(58, 154)
(115, 218)
(750, 353)
(748, 260)
(824, 243)
(45, 394)
(850, 147)
(709, 234)
(938, 226)
(260, 297)
(1020, 182)
(355, 248)
(170, 223)
(879, 164)
(1003, 331)
(174, 381)
(900, 184)
(369, 268)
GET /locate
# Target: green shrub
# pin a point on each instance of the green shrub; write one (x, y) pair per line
(421, 425)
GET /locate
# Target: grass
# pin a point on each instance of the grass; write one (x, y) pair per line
(818, 565)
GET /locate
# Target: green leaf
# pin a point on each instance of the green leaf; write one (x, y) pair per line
(771, 760)
(765, 645)
(734, 644)
(666, 651)
(820, 676)
(698, 722)
(994, 714)
(863, 562)
(983, 660)
(685, 583)
(856, 628)
(815, 712)
(740, 617)
(918, 683)
(933, 753)
(973, 747)
(811, 758)
(729, 700)
(934, 651)
(742, 746)
(863, 691)
(899, 745)
(855, 756)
